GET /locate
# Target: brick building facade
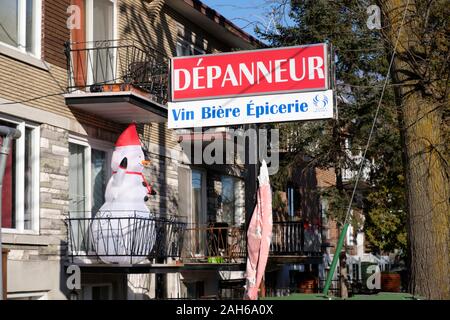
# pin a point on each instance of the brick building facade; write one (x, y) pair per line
(53, 168)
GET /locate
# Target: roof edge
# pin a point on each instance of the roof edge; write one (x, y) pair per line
(220, 20)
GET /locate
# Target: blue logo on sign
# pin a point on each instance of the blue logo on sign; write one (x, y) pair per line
(320, 101)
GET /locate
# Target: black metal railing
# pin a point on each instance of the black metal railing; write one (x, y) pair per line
(117, 65)
(124, 236)
(215, 244)
(295, 238)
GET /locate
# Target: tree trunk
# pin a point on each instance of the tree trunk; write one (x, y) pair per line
(427, 183)
(343, 275)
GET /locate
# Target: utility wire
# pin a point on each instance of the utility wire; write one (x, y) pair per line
(361, 167)
(18, 45)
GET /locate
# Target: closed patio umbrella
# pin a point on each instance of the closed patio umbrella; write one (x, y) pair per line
(259, 235)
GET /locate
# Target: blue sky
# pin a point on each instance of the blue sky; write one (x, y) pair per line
(245, 14)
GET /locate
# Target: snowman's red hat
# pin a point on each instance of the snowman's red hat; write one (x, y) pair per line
(129, 137)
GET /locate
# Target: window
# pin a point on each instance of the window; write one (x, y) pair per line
(101, 14)
(96, 292)
(351, 241)
(198, 216)
(228, 199)
(89, 172)
(188, 43)
(77, 178)
(197, 195)
(185, 48)
(20, 193)
(20, 25)
(232, 201)
(293, 197)
(99, 174)
(103, 20)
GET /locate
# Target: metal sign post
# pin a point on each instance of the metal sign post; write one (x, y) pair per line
(8, 134)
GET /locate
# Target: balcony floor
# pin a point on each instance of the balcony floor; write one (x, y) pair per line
(194, 266)
(120, 107)
(129, 268)
(282, 259)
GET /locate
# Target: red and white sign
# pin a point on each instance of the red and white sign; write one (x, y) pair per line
(250, 73)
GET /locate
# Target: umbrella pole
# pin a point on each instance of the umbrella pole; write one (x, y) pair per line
(339, 246)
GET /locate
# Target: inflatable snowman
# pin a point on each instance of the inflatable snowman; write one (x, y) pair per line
(124, 229)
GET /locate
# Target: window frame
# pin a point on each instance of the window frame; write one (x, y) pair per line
(181, 41)
(190, 41)
(233, 200)
(89, 7)
(89, 34)
(90, 144)
(198, 225)
(350, 238)
(204, 200)
(22, 26)
(87, 289)
(19, 173)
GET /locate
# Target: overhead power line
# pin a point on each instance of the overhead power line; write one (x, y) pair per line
(363, 159)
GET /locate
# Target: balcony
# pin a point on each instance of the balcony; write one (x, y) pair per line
(118, 80)
(218, 244)
(295, 240)
(124, 238)
(214, 244)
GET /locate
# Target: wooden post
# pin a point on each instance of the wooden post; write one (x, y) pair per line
(343, 275)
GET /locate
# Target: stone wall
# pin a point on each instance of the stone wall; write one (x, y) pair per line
(35, 262)
(54, 187)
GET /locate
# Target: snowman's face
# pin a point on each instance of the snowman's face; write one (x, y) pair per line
(134, 155)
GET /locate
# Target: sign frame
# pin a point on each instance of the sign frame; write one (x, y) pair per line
(327, 73)
(190, 113)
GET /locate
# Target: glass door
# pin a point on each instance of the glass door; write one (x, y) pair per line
(100, 34)
(198, 216)
(77, 196)
(77, 188)
(99, 178)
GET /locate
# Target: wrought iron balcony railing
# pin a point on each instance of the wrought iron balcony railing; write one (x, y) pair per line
(117, 65)
(127, 237)
(219, 243)
(216, 243)
(295, 238)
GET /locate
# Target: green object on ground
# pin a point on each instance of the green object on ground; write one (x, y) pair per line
(302, 296)
(378, 296)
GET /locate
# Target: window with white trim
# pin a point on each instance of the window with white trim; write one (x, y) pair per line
(232, 200)
(186, 48)
(20, 192)
(20, 25)
(351, 240)
(89, 172)
(188, 43)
